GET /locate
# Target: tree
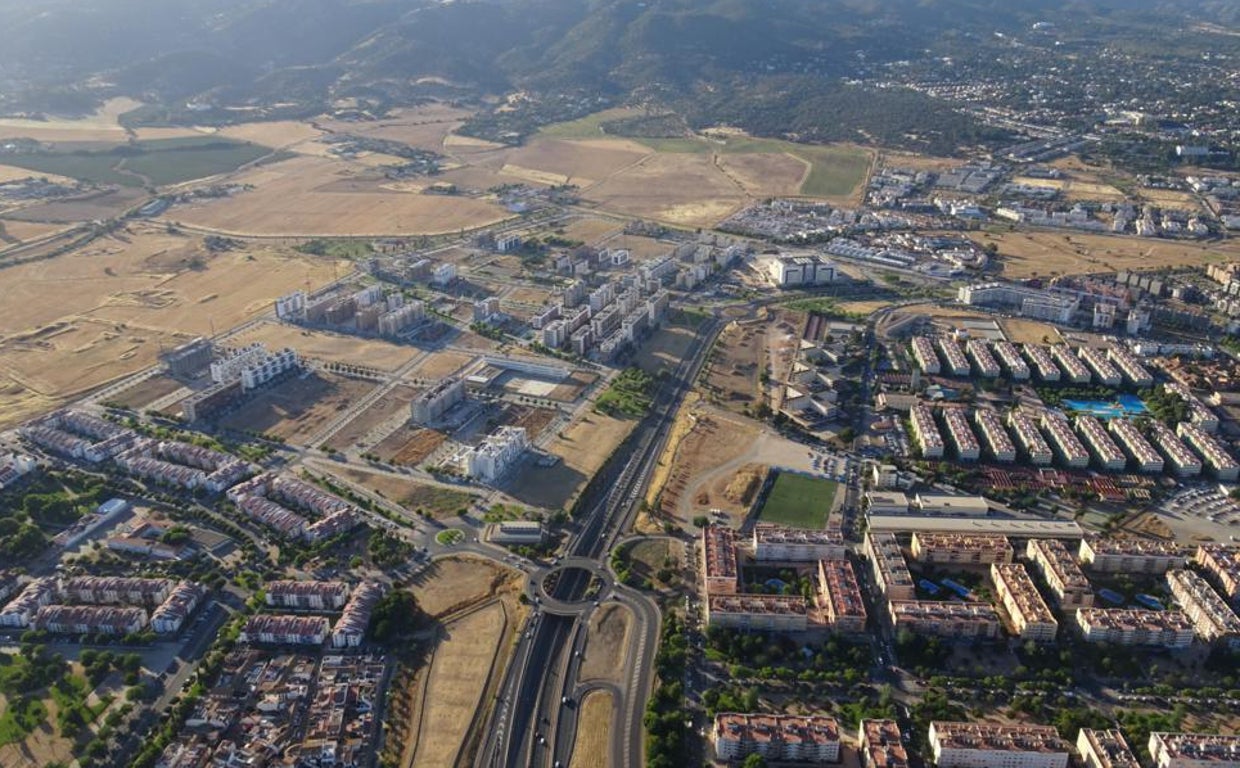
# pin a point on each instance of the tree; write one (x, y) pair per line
(701, 521)
(754, 761)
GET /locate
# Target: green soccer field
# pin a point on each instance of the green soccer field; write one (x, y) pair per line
(799, 502)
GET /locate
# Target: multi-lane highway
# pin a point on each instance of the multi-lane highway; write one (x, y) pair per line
(534, 719)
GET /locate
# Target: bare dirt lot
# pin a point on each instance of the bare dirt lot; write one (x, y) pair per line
(410, 445)
(682, 189)
(330, 347)
(665, 349)
(98, 205)
(707, 442)
(119, 299)
(395, 401)
(435, 500)
(1023, 331)
(607, 643)
(590, 748)
(454, 583)
(295, 409)
(291, 197)
(765, 175)
(582, 448)
(534, 420)
(1040, 253)
(439, 365)
(735, 364)
(464, 660)
(147, 392)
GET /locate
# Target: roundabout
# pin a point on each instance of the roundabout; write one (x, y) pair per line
(587, 581)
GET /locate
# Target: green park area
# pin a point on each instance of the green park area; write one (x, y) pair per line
(157, 162)
(799, 502)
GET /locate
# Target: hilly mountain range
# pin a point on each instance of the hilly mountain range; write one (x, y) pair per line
(65, 56)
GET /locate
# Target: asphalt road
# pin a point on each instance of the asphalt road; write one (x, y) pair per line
(541, 689)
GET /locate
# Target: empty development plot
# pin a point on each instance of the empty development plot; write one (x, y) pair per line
(392, 403)
(410, 445)
(435, 500)
(464, 659)
(455, 583)
(297, 408)
(330, 347)
(1042, 253)
(582, 449)
(119, 300)
(306, 196)
(799, 502)
(590, 747)
(607, 643)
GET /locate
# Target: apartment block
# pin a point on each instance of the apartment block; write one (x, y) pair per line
(770, 613)
(1105, 749)
(1105, 452)
(962, 437)
(891, 573)
(1194, 750)
(925, 432)
(1130, 626)
(782, 544)
(923, 352)
(1214, 456)
(89, 619)
(350, 628)
(1068, 448)
(839, 595)
(1061, 573)
(1132, 370)
(978, 745)
(116, 590)
(1031, 617)
(1222, 564)
(285, 630)
(21, 610)
(1030, 439)
(1042, 363)
(1198, 413)
(1181, 461)
(719, 567)
(172, 613)
(1212, 617)
(948, 619)
(491, 458)
(310, 595)
(778, 738)
(881, 745)
(1129, 555)
(979, 351)
(958, 548)
(1017, 369)
(1142, 453)
(1073, 369)
(991, 428)
(1096, 360)
(957, 363)
(430, 405)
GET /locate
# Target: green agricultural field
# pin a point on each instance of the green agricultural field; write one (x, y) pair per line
(162, 162)
(799, 502)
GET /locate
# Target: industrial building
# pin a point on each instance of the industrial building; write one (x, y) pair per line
(795, 271)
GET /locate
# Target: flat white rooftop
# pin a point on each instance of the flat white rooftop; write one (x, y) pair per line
(1004, 526)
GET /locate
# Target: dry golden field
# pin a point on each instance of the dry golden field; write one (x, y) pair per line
(306, 196)
(101, 126)
(590, 748)
(329, 347)
(118, 300)
(1045, 254)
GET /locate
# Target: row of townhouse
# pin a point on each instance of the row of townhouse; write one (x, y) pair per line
(1142, 453)
(1097, 361)
(962, 437)
(1017, 369)
(1042, 362)
(1067, 447)
(1215, 457)
(993, 432)
(1105, 452)
(985, 362)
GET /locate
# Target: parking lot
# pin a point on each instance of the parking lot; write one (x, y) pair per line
(1201, 513)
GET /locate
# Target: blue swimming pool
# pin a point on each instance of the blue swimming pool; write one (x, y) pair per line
(1123, 406)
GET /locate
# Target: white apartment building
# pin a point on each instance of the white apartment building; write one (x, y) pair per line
(1031, 617)
(1194, 750)
(1129, 555)
(924, 354)
(1142, 453)
(996, 437)
(778, 738)
(1042, 363)
(979, 745)
(1212, 617)
(495, 454)
(1105, 452)
(782, 544)
(1105, 749)
(1129, 626)
(1030, 439)
(1060, 572)
(985, 362)
(926, 432)
(1017, 369)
